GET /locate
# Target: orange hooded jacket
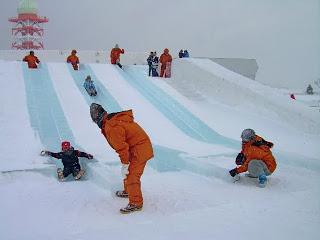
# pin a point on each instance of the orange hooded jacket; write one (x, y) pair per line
(31, 60)
(115, 55)
(74, 60)
(262, 152)
(165, 57)
(126, 137)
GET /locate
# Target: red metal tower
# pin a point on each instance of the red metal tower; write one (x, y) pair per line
(28, 30)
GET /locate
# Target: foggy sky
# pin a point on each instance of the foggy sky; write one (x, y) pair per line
(283, 35)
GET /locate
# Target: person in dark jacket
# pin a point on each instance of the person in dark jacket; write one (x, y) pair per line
(149, 61)
(155, 65)
(181, 54)
(70, 160)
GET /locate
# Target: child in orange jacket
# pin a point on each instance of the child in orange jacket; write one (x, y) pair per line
(32, 60)
(255, 157)
(164, 59)
(74, 60)
(115, 55)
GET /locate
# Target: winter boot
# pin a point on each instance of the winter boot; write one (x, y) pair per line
(122, 194)
(60, 174)
(262, 180)
(79, 175)
(130, 208)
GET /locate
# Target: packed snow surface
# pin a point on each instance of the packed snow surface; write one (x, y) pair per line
(194, 122)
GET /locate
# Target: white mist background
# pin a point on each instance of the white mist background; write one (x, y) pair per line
(282, 35)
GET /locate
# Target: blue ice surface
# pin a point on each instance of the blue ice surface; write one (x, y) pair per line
(103, 97)
(46, 114)
(180, 116)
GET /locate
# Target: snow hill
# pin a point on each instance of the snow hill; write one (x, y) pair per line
(194, 120)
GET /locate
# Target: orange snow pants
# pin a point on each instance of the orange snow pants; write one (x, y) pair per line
(132, 184)
(162, 69)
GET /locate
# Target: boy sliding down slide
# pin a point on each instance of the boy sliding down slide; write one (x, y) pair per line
(70, 160)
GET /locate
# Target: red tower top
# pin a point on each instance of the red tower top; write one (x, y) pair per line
(28, 30)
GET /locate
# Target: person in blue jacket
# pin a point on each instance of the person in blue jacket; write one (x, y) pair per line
(185, 53)
(89, 86)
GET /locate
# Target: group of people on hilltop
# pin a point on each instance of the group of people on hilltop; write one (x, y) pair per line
(164, 61)
(183, 53)
(153, 61)
(73, 59)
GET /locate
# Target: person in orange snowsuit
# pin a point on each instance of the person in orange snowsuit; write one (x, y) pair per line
(32, 60)
(164, 59)
(132, 144)
(73, 59)
(255, 157)
(115, 55)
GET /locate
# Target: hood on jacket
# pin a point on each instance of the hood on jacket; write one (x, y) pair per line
(125, 116)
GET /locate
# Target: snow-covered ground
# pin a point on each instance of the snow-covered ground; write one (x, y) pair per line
(195, 129)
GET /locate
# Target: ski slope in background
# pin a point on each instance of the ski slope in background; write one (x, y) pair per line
(188, 193)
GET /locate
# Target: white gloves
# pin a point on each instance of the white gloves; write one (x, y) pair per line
(124, 170)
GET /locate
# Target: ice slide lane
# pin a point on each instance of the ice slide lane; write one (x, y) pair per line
(46, 115)
(165, 159)
(103, 97)
(173, 110)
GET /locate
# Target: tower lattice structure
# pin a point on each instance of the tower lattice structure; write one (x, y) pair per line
(28, 31)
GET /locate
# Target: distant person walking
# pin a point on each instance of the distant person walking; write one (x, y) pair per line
(73, 59)
(32, 60)
(115, 55)
(165, 60)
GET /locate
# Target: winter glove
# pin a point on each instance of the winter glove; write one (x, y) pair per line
(89, 156)
(44, 153)
(233, 172)
(124, 170)
(240, 159)
(270, 144)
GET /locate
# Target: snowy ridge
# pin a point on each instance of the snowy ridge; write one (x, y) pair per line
(227, 87)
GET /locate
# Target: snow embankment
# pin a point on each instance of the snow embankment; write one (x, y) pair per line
(19, 144)
(203, 78)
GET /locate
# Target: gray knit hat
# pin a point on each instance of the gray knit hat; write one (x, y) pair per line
(96, 113)
(247, 135)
